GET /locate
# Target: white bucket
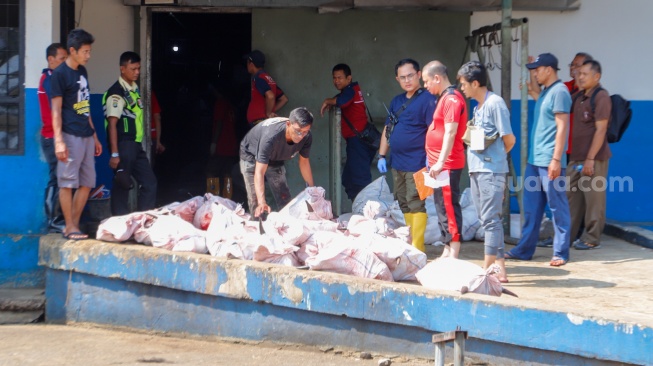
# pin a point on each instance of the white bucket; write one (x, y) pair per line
(515, 226)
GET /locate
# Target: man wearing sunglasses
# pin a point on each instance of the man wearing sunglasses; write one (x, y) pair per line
(263, 152)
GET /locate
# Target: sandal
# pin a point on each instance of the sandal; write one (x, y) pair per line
(557, 262)
(75, 235)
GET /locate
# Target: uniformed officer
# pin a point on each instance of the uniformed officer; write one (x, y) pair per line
(123, 110)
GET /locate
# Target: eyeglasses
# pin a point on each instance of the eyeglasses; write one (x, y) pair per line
(299, 132)
(572, 66)
(407, 77)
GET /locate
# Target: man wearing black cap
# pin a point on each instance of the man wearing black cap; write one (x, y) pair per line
(545, 172)
(266, 96)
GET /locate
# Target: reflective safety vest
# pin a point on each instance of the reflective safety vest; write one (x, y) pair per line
(130, 124)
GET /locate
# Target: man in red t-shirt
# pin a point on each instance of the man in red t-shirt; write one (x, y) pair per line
(56, 54)
(445, 152)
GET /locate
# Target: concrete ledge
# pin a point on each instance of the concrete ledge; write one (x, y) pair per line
(634, 234)
(143, 287)
(22, 300)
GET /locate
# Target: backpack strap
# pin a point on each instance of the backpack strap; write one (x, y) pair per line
(592, 101)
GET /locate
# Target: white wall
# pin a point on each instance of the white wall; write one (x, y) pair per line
(616, 33)
(40, 32)
(112, 25)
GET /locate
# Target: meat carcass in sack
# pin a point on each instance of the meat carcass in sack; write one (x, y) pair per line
(120, 228)
(403, 260)
(349, 259)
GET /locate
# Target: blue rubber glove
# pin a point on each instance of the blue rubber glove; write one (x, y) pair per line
(381, 165)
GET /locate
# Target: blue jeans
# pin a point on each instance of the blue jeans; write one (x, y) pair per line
(356, 174)
(538, 191)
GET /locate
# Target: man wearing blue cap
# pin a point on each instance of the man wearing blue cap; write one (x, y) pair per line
(544, 179)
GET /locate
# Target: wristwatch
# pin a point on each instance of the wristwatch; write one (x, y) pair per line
(381, 156)
(115, 155)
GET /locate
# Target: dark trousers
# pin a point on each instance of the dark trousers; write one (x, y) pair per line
(275, 177)
(133, 160)
(356, 174)
(53, 213)
(447, 205)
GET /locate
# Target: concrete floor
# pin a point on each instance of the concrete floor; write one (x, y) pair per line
(612, 282)
(82, 345)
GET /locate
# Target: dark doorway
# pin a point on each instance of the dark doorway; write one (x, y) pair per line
(197, 69)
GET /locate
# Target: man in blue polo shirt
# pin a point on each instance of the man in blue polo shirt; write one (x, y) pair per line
(413, 111)
(544, 179)
(356, 175)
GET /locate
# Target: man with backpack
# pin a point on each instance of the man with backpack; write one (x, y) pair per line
(588, 167)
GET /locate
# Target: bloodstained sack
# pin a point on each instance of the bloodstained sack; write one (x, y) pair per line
(309, 204)
(186, 210)
(285, 228)
(350, 260)
(403, 260)
(120, 228)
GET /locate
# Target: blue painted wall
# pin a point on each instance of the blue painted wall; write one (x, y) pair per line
(149, 288)
(629, 161)
(22, 191)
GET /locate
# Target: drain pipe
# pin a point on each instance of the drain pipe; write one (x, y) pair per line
(335, 142)
(524, 116)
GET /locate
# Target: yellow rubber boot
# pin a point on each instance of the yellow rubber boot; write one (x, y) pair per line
(418, 229)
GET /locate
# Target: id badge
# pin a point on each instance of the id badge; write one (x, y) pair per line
(478, 140)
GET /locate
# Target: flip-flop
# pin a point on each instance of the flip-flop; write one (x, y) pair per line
(75, 235)
(557, 262)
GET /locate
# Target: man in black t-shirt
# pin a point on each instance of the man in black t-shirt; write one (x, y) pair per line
(75, 140)
(263, 152)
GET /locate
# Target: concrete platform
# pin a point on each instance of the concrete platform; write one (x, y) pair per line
(21, 305)
(595, 310)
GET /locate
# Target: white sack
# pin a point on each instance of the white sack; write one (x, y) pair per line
(172, 233)
(375, 191)
(347, 259)
(360, 225)
(120, 228)
(285, 228)
(471, 222)
(402, 259)
(448, 274)
(309, 204)
(186, 210)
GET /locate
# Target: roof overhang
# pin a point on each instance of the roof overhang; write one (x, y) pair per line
(327, 6)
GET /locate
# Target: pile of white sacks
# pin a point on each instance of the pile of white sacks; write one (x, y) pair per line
(302, 234)
(373, 242)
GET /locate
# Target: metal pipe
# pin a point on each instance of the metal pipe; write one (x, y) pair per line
(506, 49)
(506, 76)
(524, 115)
(335, 139)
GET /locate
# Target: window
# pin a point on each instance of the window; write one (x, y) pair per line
(11, 76)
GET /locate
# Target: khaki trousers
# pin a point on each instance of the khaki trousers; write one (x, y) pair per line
(587, 200)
